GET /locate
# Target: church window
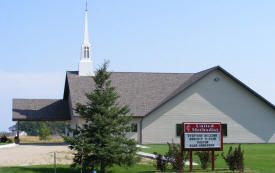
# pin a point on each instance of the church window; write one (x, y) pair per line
(134, 127)
(178, 129)
(224, 130)
(86, 52)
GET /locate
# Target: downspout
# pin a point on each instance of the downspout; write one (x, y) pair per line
(140, 131)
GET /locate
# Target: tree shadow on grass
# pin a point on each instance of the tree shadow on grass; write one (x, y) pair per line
(38, 170)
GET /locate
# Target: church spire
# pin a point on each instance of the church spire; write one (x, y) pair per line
(86, 35)
(86, 64)
(86, 5)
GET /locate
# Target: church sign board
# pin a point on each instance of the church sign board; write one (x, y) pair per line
(202, 136)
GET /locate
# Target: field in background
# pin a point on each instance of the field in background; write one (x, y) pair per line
(258, 157)
(35, 139)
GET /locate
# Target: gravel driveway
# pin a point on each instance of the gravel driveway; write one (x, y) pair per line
(35, 154)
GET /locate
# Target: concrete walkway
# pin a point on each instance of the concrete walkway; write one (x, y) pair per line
(8, 145)
(153, 156)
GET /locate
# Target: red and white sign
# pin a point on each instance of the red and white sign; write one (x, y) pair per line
(205, 135)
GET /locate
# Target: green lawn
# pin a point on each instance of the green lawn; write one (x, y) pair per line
(257, 157)
(38, 169)
(4, 143)
(138, 168)
(67, 169)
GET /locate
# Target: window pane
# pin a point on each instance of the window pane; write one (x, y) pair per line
(134, 127)
(178, 129)
(224, 129)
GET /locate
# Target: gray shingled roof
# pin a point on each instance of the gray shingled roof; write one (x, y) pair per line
(40, 110)
(141, 91)
(144, 92)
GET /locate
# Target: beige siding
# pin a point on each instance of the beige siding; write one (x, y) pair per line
(249, 119)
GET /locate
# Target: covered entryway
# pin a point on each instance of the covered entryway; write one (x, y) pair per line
(39, 110)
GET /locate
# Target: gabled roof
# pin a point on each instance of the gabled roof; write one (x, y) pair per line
(197, 77)
(40, 110)
(141, 91)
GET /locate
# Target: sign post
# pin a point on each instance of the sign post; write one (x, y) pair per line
(213, 160)
(202, 136)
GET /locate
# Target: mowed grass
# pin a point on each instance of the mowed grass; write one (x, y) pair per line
(67, 169)
(257, 157)
(38, 169)
(138, 168)
(3, 143)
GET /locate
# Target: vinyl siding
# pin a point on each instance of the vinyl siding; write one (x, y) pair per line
(248, 119)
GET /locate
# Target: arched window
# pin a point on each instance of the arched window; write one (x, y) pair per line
(86, 52)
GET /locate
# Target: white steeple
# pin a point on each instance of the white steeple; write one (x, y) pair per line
(86, 64)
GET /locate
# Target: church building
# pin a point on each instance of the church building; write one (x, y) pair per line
(160, 102)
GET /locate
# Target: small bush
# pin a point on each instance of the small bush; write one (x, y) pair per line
(16, 140)
(5, 139)
(175, 157)
(44, 132)
(234, 159)
(205, 158)
(161, 162)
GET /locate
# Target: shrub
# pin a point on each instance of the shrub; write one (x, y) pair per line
(44, 132)
(16, 140)
(205, 158)
(176, 157)
(234, 159)
(5, 139)
(161, 162)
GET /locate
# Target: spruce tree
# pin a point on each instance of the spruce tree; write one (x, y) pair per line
(101, 142)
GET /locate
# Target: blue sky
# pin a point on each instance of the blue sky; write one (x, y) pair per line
(40, 40)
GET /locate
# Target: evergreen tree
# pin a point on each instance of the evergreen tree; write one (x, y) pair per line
(101, 142)
(44, 132)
